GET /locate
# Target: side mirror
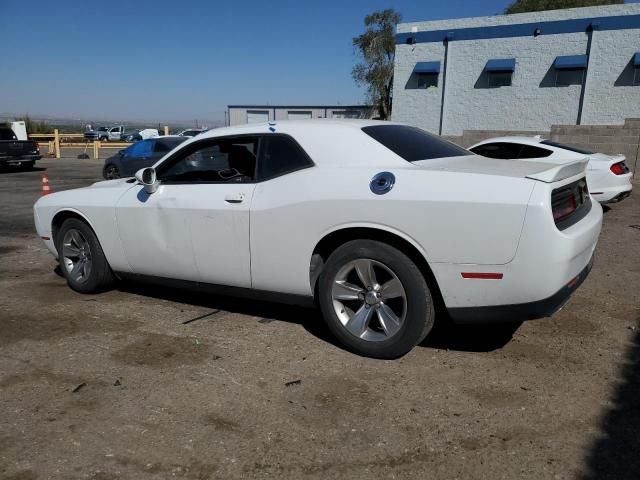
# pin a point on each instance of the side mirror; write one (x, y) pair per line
(147, 177)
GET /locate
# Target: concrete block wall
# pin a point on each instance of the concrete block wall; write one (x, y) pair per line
(610, 139)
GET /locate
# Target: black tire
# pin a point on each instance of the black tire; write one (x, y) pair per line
(99, 276)
(110, 172)
(26, 166)
(419, 313)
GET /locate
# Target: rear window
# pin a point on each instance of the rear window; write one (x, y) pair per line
(413, 144)
(7, 134)
(567, 147)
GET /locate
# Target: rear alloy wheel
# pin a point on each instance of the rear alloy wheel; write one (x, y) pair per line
(110, 172)
(374, 299)
(81, 258)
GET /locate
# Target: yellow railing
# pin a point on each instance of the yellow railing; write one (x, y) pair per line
(57, 140)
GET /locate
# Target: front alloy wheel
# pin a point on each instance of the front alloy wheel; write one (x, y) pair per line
(81, 258)
(76, 255)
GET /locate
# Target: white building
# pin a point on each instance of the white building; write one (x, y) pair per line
(241, 114)
(524, 71)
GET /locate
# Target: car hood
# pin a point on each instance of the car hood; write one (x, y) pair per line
(536, 170)
(117, 183)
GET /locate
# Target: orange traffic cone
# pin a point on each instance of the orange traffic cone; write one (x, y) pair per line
(46, 189)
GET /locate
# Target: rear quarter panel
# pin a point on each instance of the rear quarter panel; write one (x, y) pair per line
(449, 217)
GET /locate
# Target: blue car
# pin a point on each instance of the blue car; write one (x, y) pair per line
(142, 154)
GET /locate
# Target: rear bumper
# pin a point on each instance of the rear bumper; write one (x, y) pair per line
(613, 196)
(548, 266)
(19, 159)
(521, 311)
(607, 187)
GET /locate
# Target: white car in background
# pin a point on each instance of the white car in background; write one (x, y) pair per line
(375, 222)
(608, 177)
(192, 132)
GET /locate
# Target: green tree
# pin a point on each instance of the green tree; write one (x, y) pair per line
(376, 51)
(521, 6)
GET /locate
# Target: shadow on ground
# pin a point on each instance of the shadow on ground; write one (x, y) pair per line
(471, 338)
(616, 452)
(5, 170)
(484, 338)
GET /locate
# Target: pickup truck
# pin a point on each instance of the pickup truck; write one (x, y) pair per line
(105, 134)
(19, 153)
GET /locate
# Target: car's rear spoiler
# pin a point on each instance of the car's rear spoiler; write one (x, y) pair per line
(560, 172)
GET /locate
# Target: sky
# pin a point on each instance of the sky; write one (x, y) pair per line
(187, 59)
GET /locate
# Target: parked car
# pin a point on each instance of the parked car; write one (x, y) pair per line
(142, 154)
(608, 176)
(17, 153)
(140, 135)
(192, 132)
(376, 222)
(105, 134)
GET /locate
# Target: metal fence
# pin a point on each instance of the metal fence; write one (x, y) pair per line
(57, 141)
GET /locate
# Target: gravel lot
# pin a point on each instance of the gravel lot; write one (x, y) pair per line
(143, 382)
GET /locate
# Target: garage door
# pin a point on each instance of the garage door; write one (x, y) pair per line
(257, 116)
(298, 115)
(345, 114)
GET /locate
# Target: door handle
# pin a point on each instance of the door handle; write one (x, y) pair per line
(234, 198)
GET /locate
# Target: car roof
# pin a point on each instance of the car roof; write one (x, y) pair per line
(309, 125)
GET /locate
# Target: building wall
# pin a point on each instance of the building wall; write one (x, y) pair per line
(417, 106)
(238, 114)
(532, 102)
(610, 96)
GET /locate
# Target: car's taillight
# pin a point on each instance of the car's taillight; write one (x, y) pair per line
(619, 168)
(37, 147)
(564, 206)
(570, 203)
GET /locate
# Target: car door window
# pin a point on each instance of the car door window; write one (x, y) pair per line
(498, 150)
(227, 159)
(280, 154)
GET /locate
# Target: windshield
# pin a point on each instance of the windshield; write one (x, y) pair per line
(567, 147)
(102, 129)
(413, 144)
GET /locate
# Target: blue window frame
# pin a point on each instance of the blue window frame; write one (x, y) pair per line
(570, 69)
(427, 74)
(500, 72)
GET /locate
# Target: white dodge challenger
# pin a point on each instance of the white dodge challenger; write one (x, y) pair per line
(375, 222)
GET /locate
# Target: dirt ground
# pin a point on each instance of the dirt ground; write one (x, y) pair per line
(143, 382)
